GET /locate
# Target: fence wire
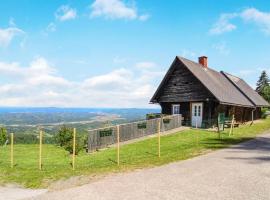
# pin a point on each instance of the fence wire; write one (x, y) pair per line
(26, 155)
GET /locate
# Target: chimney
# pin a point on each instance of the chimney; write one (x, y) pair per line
(203, 61)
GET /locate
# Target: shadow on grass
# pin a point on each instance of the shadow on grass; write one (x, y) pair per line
(113, 161)
(244, 148)
(216, 143)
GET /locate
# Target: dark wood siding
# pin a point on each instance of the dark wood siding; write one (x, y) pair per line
(166, 108)
(209, 109)
(183, 86)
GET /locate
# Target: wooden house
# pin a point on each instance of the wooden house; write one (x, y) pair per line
(199, 93)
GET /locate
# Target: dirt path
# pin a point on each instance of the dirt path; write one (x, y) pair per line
(239, 172)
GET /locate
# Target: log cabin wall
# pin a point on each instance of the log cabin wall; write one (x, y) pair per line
(166, 108)
(209, 109)
(241, 114)
(183, 86)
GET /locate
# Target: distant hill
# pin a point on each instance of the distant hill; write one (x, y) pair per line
(27, 120)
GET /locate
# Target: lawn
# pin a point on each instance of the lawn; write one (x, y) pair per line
(142, 154)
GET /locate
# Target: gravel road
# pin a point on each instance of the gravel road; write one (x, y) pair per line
(240, 172)
(12, 192)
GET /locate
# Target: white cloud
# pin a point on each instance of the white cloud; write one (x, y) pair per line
(115, 9)
(222, 48)
(11, 22)
(65, 13)
(8, 34)
(247, 72)
(144, 17)
(252, 15)
(119, 60)
(38, 73)
(112, 80)
(145, 65)
(188, 54)
(51, 27)
(39, 84)
(262, 19)
(223, 24)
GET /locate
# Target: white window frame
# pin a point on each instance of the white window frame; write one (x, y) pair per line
(173, 109)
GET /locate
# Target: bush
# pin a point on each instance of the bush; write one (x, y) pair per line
(106, 132)
(264, 113)
(3, 135)
(64, 138)
(153, 116)
(166, 121)
(141, 125)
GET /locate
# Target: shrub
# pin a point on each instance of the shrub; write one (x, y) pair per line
(64, 135)
(3, 135)
(64, 138)
(141, 125)
(153, 116)
(166, 121)
(264, 113)
(105, 132)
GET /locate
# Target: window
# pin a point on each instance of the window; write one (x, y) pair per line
(195, 111)
(175, 109)
(199, 111)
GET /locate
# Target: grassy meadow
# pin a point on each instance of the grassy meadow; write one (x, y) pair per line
(142, 154)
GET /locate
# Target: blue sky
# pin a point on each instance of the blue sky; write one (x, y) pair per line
(113, 53)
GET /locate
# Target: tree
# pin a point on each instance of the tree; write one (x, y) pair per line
(262, 82)
(64, 138)
(266, 93)
(3, 135)
(64, 135)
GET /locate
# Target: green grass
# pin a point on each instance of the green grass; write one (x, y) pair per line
(142, 154)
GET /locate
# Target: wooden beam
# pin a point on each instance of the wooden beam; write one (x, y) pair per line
(118, 144)
(74, 149)
(11, 150)
(158, 130)
(40, 150)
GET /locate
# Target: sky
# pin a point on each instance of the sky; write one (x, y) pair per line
(114, 53)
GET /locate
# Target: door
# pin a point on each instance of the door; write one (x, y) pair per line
(196, 118)
(176, 109)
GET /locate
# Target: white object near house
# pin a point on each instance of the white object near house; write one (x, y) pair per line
(176, 109)
(197, 112)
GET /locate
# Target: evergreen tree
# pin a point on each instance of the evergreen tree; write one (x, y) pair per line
(262, 82)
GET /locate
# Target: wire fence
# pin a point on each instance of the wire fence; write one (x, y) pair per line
(103, 137)
(43, 155)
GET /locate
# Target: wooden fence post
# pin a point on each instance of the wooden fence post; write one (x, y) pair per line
(74, 149)
(11, 150)
(40, 149)
(118, 144)
(232, 126)
(158, 130)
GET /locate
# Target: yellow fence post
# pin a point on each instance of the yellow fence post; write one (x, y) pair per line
(232, 125)
(118, 144)
(158, 130)
(40, 149)
(11, 150)
(74, 148)
(197, 139)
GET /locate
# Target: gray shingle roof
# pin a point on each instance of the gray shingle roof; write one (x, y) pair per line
(217, 84)
(251, 94)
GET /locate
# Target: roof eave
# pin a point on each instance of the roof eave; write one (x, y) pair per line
(232, 104)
